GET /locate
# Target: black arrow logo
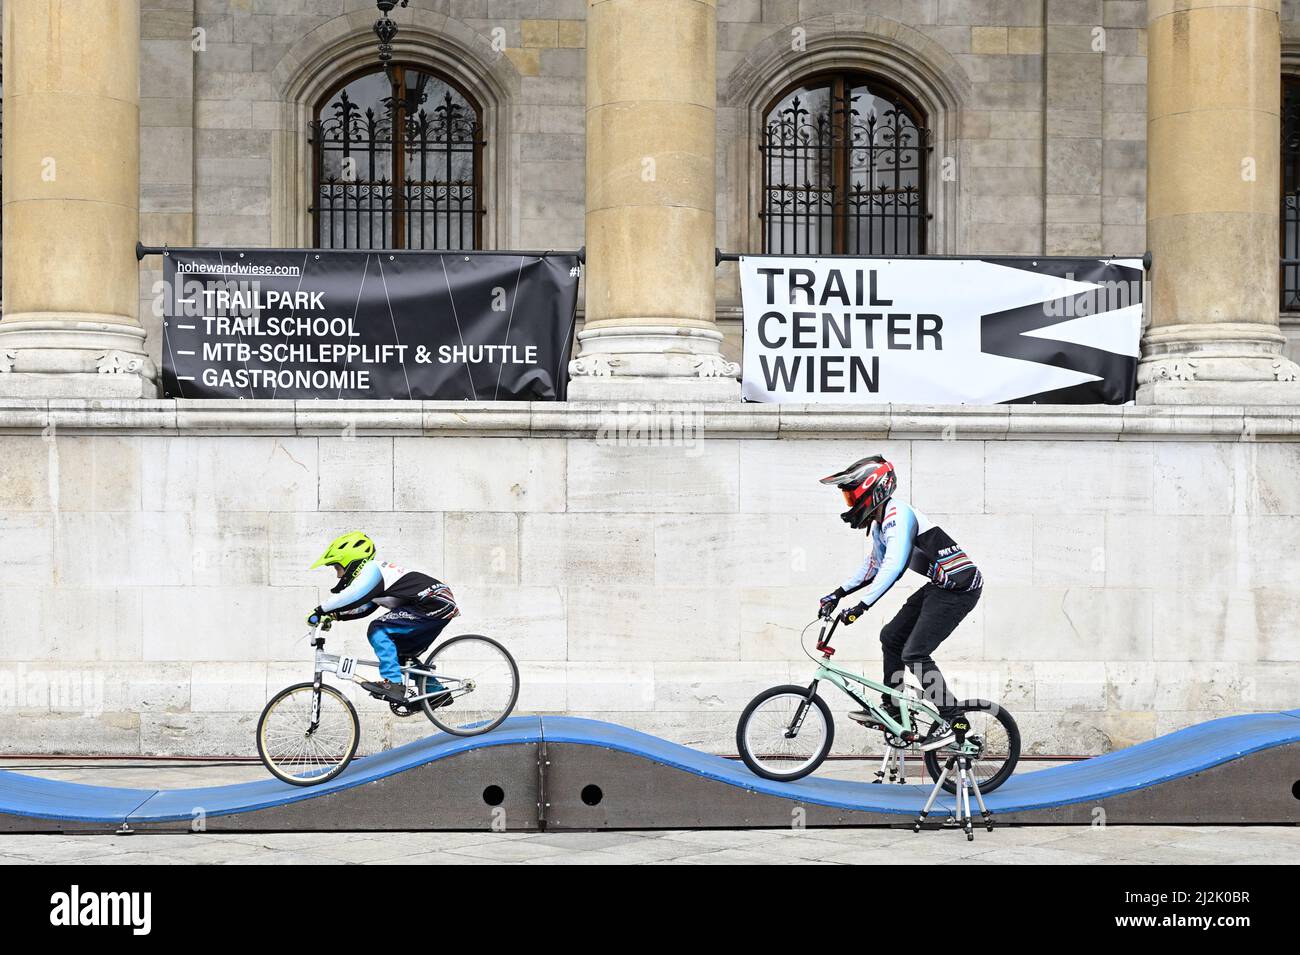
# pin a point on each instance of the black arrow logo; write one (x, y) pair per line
(1003, 333)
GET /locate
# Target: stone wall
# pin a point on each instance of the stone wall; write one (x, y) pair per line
(1140, 563)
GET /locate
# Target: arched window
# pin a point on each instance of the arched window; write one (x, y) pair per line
(844, 161)
(1290, 238)
(409, 127)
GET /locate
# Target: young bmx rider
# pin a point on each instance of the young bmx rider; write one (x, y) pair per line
(902, 537)
(419, 607)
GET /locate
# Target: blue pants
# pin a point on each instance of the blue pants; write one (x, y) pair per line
(399, 634)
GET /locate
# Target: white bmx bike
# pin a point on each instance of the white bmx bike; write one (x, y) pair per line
(309, 732)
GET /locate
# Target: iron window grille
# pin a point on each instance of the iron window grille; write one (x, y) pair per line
(844, 169)
(1289, 240)
(398, 163)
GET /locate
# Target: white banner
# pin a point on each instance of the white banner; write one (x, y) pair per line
(941, 331)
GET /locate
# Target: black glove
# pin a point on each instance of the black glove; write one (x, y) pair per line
(830, 602)
(316, 617)
(852, 614)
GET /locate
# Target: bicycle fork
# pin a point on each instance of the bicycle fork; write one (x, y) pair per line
(796, 723)
(315, 704)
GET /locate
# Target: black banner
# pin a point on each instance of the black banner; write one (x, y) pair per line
(329, 324)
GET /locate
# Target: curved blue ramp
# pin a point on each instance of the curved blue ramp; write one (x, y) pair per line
(23, 796)
(1181, 777)
(571, 773)
(389, 785)
(177, 804)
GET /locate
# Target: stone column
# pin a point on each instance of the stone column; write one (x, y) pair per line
(1213, 128)
(71, 201)
(651, 100)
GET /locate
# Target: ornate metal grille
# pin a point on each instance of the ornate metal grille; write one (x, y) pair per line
(1290, 238)
(844, 161)
(398, 164)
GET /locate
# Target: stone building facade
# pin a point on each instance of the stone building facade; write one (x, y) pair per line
(1139, 560)
(1045, 129)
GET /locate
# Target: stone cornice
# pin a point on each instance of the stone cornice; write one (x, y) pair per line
(624, 422)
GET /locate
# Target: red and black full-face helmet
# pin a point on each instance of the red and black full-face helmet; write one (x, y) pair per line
(867, 485)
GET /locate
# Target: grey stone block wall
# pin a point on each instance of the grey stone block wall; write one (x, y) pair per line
(155, 583)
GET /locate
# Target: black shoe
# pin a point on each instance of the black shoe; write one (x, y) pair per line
(386, 690)
(940, 735)
(952, 723)
(868, 719)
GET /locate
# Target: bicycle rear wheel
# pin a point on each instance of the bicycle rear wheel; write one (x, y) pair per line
(784, 735)
(999, 740)
(305, 743)
(483, 682)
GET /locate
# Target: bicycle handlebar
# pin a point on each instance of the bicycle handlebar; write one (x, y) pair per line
(314, 631)
(824, 638)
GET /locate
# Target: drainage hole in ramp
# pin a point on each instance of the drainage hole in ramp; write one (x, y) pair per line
(1295, 789)
(494, 795)
(592, 794)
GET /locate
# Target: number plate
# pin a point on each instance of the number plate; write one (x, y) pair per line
(347, 667)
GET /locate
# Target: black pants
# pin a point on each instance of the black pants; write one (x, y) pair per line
(926, 620)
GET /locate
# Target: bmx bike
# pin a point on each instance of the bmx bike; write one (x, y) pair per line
(786, 732)
(308, 732)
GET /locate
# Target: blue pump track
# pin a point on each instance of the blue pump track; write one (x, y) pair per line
(1239, 769)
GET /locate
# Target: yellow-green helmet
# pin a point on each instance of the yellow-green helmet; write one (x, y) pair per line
(347, 550)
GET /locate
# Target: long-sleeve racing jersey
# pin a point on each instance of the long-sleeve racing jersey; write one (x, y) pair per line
(387, 585)
(908, 539)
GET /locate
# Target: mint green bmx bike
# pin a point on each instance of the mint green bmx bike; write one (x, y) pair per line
(786, 732)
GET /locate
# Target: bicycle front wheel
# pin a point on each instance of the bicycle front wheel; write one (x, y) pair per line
(784, 734)
(482, 684)
(304, 739)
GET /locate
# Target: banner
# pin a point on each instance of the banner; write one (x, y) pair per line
(941, 331)
(326, 324)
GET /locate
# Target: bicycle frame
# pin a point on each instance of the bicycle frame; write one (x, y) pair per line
(345, 668)
(841, 677)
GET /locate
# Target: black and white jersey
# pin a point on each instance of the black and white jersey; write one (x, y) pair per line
(388, 585)
(908, 539)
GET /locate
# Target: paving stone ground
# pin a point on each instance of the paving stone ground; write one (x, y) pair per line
(1038, 845)
(1048, 845)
